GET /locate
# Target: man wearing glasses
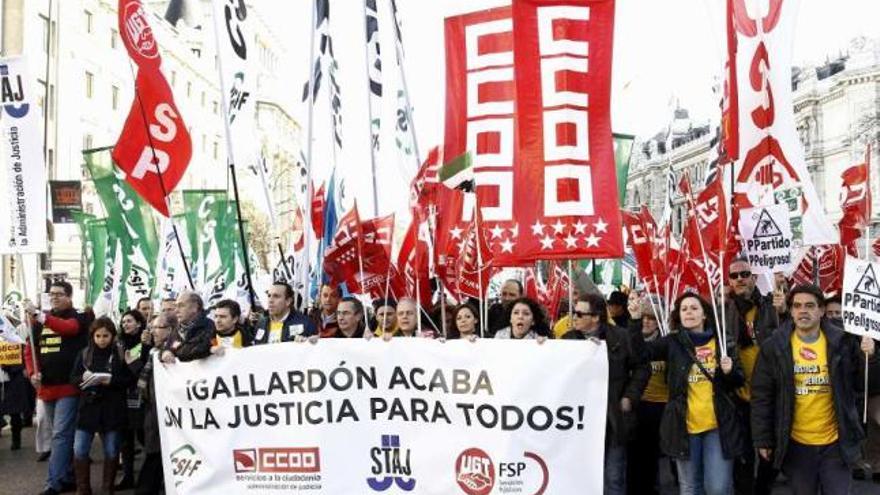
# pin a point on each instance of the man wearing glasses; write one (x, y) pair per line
(753, 318)
(350, 319)
(628, 374)
(60, 333)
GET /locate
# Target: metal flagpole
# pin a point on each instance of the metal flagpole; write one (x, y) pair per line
(307, 221)
(868, 199)
(570, 296)
(230, 160)
(155, 160)
(24, 316)
(373, 146)
(484, 310)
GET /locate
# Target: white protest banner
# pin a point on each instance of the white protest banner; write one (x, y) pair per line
(767, 238)
(861, 297)
(410, 415)
(23, 210)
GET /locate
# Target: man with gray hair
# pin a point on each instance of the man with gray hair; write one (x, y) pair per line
(193, 337)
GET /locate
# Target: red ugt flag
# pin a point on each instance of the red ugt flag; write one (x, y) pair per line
(154, 147)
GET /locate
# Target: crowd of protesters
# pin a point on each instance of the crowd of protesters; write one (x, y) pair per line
(714, 409)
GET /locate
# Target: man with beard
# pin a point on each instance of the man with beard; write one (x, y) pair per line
(753, 318)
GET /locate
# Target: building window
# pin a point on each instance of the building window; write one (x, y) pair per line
(90, 81)
(189, 88)
(88, 142)
(216, 151)
(173, 78)
(88, 20)
(203, 99)
(114, 97)
(44, 22)
(114, 38)
(214, 107)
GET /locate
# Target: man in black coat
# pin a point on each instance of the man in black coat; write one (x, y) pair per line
(806, 396)
(498, 314)
(628, 374)
(283, 323)
(195, 333)
(752, 318)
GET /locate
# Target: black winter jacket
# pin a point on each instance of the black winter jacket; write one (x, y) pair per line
(628, 374)
(102, 407)
(773, 392)
(295, 325)
(676, 349)
(766, 319)
(192, 341)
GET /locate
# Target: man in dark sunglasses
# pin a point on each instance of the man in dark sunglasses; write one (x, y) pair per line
(752, 318)
(628, 374)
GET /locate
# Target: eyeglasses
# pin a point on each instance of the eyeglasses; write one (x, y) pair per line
(581, 314)
(56, 294)
(742, 274)
(344, 313)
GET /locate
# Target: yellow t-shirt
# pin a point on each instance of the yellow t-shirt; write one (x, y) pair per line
(233, 341)
(561, 327)
(657, 389)
(814, 421)
(748, 356)
(275, 328)
(701, 408)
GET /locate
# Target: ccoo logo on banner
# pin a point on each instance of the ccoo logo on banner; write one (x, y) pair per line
(767, 238)
(23, 209)
(861, 297)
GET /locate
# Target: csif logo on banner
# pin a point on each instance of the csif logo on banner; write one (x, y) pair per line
(185, 462)
(391, 466)
(12, 94)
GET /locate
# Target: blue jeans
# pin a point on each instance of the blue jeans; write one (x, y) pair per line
(63, 415)
(615, 470)
(82, 444)
(706, 469)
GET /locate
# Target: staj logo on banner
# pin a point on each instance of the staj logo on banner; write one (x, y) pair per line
(391, 466)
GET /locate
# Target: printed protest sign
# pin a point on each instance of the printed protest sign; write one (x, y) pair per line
(767, 238)
(861, 297)
(410, 415)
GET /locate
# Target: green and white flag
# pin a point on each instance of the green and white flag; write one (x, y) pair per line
(211, 226)
(458, 172)
(93, 232)
(130, 219)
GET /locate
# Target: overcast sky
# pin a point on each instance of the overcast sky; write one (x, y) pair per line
(663, 50)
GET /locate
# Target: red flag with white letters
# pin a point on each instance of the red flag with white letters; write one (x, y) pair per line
(342, 259)
(565, 167)
(154, 147)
